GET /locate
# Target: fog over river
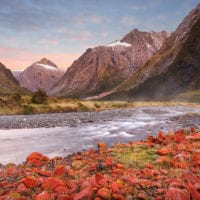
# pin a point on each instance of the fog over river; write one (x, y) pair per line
(136, 124)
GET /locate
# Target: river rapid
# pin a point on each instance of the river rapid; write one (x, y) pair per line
(16, 144)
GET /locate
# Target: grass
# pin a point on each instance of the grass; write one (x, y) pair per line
(135, 156)
(191, 96)
(10, 105)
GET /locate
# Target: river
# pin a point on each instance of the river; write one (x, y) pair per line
(16, 144)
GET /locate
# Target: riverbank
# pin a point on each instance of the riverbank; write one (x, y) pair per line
(79, 131)
(74, 119)
(23, 105)
(158, 168)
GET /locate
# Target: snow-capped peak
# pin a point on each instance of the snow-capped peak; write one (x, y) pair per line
(118, 43)
(47, 66)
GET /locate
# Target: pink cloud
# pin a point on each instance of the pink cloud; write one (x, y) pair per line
(14, 58)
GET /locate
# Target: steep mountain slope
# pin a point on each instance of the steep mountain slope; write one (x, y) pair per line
(103, 67)
(8, 83)
(173, 69)
(40, 75)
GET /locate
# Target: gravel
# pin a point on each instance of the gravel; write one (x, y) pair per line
(84, 118)
(60, 119)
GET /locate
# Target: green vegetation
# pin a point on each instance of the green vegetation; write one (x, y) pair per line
(39, 97)
(40, 103)
(135, 156)
(191, 96)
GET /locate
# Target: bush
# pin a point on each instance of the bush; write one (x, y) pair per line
(39, 97)
(17, 98)
(27, 110)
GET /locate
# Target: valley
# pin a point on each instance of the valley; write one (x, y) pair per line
(26, 134)
(115, 115)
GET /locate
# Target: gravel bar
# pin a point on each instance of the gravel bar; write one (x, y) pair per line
(75, 119)
(60, 119)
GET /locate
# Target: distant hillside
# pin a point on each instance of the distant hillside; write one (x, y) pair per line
(8, 83)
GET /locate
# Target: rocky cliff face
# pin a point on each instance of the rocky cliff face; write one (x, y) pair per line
(102, 68)
(40, 75)
(8, 83)
(173, 69)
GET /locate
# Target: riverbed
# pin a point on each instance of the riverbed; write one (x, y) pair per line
(66, 133)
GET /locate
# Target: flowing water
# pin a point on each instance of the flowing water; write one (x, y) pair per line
(16, 144)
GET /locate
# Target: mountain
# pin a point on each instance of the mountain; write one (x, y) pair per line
(8, 83)
(103, 67)
(40, 75)
(174, 69)
(16, 73)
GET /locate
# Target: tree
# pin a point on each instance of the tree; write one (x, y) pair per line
(39, 97)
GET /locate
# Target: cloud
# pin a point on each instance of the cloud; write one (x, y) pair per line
(31, 16)
(34, 15)
(129, 20)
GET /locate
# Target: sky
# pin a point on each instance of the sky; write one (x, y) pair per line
(61, 30)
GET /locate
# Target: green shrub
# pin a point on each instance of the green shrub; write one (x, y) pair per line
(17, 98)
(27, 110)
(39, 97)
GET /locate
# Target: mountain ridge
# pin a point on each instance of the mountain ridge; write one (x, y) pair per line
(42, 74)
(166, 72)
(101, 68)
(8, 83)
